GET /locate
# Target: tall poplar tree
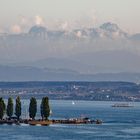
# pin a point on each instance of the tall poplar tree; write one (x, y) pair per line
(10, 108)
(18, 108)
(41, 108)
(2, 108)
(45, 108)
(32, 108)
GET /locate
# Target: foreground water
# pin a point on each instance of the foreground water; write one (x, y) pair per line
(119, 123)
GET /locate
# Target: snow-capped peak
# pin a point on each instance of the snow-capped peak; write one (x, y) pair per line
(110, 27)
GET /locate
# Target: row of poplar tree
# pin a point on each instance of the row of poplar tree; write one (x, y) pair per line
(9, 109)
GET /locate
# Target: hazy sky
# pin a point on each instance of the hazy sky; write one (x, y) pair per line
(126, 13)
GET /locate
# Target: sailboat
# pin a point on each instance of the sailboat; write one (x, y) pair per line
(73, 103)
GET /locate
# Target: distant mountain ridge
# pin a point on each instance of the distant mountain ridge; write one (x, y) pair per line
(92, 63)
(20, 73)
(79, 54)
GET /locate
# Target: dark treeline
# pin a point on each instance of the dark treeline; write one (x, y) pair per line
(9, 108)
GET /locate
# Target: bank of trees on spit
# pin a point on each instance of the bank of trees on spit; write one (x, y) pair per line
(9, 109)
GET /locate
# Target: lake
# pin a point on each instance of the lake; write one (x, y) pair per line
(119, 123)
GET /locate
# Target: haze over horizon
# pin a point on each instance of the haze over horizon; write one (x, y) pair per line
(64, 64)
(18, 16)
(88, 37)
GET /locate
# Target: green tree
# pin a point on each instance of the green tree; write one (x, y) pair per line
(32, 108)
(10, 108)
(45, 108)
(41, 108)
(18, 107)
(2, 108)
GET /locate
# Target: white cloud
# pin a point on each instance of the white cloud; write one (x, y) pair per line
(2, 30)
(65, 26)
(24, 21)
(39, 20)
(79, 34)
(16, 29)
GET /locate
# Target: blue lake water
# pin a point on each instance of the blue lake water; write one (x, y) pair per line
(119, 123)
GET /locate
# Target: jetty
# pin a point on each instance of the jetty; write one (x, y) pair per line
(65, 121)
(50, 122)
(45, 112)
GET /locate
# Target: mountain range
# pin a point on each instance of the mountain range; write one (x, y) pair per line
(20, 73)
(103, 53)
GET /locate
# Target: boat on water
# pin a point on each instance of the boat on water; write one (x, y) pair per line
(122, 105)
(73, 103)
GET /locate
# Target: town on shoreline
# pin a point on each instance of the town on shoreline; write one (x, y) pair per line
(74, 90)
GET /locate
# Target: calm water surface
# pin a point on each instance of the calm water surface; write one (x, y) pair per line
(119, 123)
